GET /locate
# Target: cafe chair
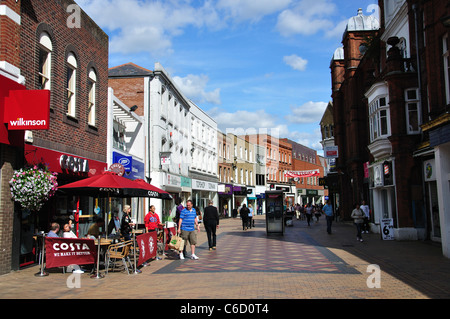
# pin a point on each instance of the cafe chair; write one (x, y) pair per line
(119, 251)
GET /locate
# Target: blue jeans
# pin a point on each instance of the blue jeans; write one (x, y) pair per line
(329, 221)
(358, 230)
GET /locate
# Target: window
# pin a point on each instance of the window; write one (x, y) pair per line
(71, 84)
(413, 119)
(379, 121)
(45, 58)
(446, 60)
(92, 83)
(119, 136)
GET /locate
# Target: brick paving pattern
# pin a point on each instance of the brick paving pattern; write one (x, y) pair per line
(305, 263)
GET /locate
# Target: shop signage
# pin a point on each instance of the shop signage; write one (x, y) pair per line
(125, 161)
(69, 251)
(117, 168)
(27, 110)
(173, 180)
(147, 246)
(62, 163)
(73, 164)
(331, 152)
(204, 185)
(225, 189)
(387, 228)
(429, 170)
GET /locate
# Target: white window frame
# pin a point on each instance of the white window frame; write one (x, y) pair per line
(45, 69)
(71, 85)
(92, 105)
(409, 104)
(376, 108)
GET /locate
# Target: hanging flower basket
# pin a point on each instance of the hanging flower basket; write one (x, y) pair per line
(33, 186)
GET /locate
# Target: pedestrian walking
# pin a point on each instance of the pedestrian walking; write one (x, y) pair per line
(211, 223)
(358, 218)
(187, 226)
(366, 210)
(309, 211)
(250, 216)
(317, 213)
(327, 209)
(244, 216)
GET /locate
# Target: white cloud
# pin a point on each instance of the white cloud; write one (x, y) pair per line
(306, 18)
(242, 10)
(194, 87)
(309, 112)
(244, 120)
(138, 26)
(296, 62)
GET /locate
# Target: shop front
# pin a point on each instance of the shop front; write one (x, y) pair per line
(251, 198)
(240, 196)
(225, 194)
(202, 192)
(62, 207)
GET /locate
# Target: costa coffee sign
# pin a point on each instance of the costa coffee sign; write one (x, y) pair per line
(74, 164)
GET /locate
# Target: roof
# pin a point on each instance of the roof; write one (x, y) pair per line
(128, 69)
(362, 22)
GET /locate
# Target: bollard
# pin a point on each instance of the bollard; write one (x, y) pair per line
(42, 273)
(98, 275)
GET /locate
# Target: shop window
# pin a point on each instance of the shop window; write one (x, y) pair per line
(71, 84)
(119, 136)
(413, 119)
(45, 58)
(92, 84)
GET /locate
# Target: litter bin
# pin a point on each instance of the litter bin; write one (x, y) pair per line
(274, 212)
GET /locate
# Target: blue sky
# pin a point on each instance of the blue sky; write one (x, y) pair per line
(260, 64)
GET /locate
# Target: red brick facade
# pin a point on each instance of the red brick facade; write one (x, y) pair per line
(355, 78)
(89, 44)
(19, 48)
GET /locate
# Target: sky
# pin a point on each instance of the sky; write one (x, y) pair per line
(252, 65)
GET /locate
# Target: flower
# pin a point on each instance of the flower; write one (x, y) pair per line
(33, 186)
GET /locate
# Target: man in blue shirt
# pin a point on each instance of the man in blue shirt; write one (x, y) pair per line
(187, 225)
(328, 211)
(53, 230)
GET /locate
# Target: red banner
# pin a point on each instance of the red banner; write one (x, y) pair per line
(69, 251)
(313, 172)
(147, 244)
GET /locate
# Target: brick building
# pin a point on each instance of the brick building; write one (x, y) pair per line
(390, 92)
(54, 46)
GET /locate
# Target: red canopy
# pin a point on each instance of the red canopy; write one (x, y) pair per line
(109, 184)
(153, 190)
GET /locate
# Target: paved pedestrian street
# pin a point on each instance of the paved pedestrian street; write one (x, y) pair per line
(305, 263)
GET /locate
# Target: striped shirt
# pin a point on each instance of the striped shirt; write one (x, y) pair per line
(188, 217)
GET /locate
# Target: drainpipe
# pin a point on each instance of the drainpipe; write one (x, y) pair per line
(419, 69)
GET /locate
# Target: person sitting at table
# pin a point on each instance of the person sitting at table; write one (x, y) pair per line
(127, 224)
(54, 229)
(94, 229)
(151, 220)
(68, 233)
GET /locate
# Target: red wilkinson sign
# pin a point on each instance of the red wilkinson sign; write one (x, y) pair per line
(27, 110)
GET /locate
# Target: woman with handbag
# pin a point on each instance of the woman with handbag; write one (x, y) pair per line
(358, 217)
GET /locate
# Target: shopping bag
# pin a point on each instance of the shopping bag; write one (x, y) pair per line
(176, 242)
